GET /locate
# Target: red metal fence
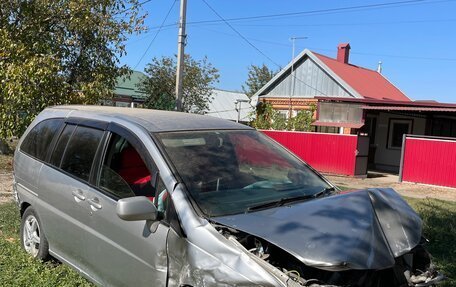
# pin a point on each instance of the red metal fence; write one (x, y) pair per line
(330, 153)
(429, 160)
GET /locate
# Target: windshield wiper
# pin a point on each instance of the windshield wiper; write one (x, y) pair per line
(325, 191)
(286, 200)
(279, 202)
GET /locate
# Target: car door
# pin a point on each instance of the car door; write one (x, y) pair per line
(64, 182)
(125, 253)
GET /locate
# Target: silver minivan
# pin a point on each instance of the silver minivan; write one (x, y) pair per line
(133, 197)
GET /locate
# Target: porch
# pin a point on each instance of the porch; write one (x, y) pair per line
(385, 123)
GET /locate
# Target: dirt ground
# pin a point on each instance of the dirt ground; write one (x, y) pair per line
(6, 181)
(377, 179)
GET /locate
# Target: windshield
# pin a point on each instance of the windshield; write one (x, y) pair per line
(230, 172)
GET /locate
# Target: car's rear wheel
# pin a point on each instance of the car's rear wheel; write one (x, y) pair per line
(32, 236)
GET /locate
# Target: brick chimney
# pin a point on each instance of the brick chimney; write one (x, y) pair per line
(343, 52)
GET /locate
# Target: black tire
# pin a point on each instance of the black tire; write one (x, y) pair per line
(31, 233)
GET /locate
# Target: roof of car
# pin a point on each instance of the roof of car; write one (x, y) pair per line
(156, 120)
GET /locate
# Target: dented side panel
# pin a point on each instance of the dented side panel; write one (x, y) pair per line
(191, 265)
(206, 258)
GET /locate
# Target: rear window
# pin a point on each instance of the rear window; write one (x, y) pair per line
(80, 152)
(38, 140)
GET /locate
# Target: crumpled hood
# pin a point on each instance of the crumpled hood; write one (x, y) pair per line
(366, 229)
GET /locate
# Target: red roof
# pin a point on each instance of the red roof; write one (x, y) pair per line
(373, 102)
(404, 108)
(368, 83)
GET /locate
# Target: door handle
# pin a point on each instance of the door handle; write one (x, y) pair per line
(95, 203)
(78, 195)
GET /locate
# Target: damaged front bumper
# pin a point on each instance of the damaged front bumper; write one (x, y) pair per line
(406, 271)
(253, 249)
(428, 278)
(370, 238)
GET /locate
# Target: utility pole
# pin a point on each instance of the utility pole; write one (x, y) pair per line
(293, 76)
(180, 54)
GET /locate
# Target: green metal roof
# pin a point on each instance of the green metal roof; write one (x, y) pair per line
(127, 86)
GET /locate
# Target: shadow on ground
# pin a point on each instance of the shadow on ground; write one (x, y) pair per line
(375, 174)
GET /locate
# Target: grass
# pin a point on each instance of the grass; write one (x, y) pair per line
(18, 269)
(439, 219)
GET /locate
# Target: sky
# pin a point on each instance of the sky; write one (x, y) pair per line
(415, 40)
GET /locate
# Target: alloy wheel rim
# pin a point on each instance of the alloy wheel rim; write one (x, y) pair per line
(31, 235)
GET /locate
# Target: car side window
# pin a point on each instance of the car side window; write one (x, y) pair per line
(124, 172)
(38, 140)
(56, 156)
(80, 152)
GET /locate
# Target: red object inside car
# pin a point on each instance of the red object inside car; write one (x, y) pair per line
(133, 170)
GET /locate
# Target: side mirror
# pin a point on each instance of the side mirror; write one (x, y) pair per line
(136, 208)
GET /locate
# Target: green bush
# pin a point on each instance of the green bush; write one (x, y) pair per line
(266, 117)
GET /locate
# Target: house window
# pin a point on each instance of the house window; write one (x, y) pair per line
(396, 130)
(340, 113)
(122, 104)
(328, 130)
(283, 114)
(443, 127)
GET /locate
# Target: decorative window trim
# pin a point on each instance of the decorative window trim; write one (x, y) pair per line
(392, 121)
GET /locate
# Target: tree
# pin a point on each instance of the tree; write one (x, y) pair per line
(303, 120)
(199, 77)
(267, 118)
(60, 52)
(257, 78)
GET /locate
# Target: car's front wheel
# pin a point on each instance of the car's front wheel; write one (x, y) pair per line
(32, 236)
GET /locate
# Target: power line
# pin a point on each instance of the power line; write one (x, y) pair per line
(256, 48)
(407, 57)
(315, 48)
(156, 34)
(319, 11)
(146, 35)
(280, 15)
(348, 24)
(240, 35)
(133, 7)
(390, 55)
(332, 50)
(230, 110)
(306, 25)
(250, 38)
